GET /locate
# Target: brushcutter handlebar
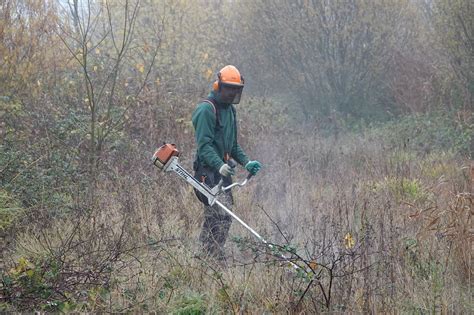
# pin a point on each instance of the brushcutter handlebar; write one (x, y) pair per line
(241, 184)
(233, 164)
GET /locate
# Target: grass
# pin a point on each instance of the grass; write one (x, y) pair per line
(407, 214)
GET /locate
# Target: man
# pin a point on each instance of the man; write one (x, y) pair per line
(215, 125)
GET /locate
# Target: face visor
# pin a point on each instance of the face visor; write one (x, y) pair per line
(230, 93)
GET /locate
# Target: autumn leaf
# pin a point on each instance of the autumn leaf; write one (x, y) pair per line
(22, 266)
(209, 73)
(141, 67)
(349, 241)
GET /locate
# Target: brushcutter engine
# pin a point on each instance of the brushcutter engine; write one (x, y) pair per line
(163, 154)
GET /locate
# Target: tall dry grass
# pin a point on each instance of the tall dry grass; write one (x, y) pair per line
(409, 213)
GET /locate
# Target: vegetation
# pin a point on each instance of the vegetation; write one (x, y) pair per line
(360, 111)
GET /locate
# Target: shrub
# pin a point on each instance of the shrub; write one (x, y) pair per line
(423, 133)
(191, 304)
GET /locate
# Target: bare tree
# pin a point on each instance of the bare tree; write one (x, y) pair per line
(102, 41)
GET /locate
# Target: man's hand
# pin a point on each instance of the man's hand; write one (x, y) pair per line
(226, 170)
(253, 167)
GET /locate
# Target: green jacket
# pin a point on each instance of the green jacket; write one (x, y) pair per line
(214, 141)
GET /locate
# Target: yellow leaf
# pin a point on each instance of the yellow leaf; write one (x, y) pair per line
(95, 68)
(23, 265)
(97, 51)
(141, 67)
(209, 73)
(22, 262)
(349, 241)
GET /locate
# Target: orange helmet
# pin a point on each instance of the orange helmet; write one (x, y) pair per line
(229, 85)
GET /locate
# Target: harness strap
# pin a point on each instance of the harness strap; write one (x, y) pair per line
(214, 107)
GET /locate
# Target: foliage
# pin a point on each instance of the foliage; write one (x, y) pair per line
(26, 35)
(28, 283)
(455, 28)
(423, 133)
(402, 189)
(343, 50)
(10, 210)
(191, 304)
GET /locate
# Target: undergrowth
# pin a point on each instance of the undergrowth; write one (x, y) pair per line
(378, 220)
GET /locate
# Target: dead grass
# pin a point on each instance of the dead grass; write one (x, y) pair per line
(412, 253)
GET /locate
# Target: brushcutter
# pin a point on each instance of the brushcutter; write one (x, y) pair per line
(166, 159)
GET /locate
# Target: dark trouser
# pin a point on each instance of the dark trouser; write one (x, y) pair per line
(215, 228)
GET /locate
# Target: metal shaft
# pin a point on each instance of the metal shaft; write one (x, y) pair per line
(295, 266)
(174, 166)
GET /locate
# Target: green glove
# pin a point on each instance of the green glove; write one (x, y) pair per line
(253, 167)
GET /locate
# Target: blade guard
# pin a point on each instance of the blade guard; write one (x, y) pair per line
(163, 154)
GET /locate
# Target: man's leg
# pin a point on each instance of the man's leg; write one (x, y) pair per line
(215, 228)
(225, 221)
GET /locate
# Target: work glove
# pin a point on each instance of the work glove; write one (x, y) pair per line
(253, 167)
(226, 170)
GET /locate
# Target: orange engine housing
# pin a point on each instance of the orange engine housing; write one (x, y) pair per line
(163, 154)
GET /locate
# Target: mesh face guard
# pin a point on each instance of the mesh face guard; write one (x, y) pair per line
(230, 93)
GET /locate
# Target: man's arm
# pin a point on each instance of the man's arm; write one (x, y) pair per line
(238, 154)
(204, 122)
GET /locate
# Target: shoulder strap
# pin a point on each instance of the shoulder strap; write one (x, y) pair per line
(234, 113)
(214, 107)
(210, 102)
(216, 112)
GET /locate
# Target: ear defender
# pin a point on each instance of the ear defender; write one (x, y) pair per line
(215, 85)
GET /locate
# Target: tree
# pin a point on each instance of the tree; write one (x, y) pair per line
(114, 66)
(26, 36)
(454, 23)
(332, 55)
